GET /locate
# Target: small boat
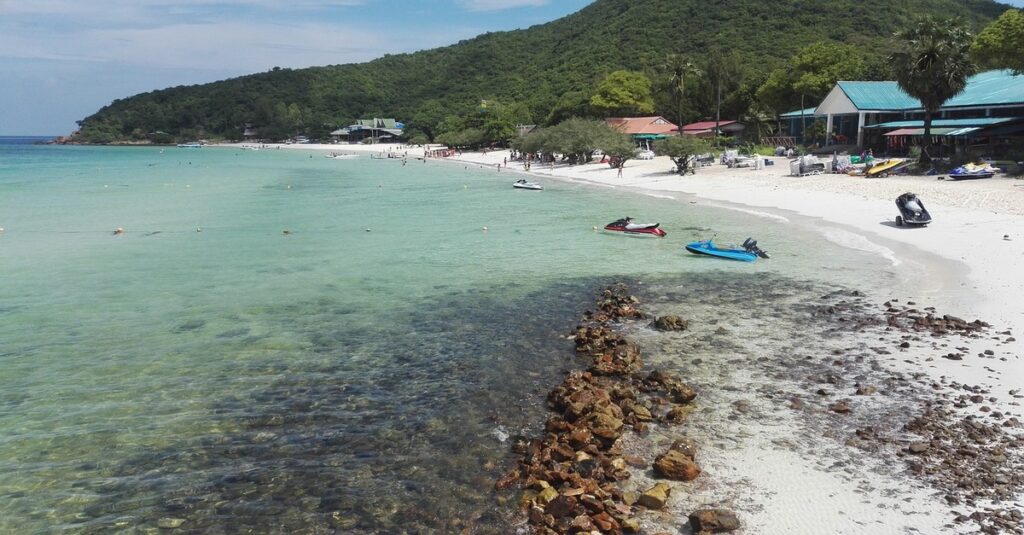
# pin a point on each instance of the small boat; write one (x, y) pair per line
(749, 253)
(885, 168)
(627, 226)
(523, 184)
(191, 145)
(912, 211)
(343, 156)
(971, 170)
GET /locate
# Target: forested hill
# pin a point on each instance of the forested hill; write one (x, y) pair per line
(541, 69)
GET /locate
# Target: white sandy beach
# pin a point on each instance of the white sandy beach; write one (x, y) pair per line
(978, 229)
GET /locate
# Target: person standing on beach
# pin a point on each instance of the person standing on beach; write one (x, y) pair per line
(620, 170)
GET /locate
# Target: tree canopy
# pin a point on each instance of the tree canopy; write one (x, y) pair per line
(624, 93)
(1001, 44)
(932, 65)
(682, 150)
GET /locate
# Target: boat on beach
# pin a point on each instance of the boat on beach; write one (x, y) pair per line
(971, 171)
(748, 253)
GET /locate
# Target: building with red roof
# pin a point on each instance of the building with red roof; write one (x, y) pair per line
(707, 128)
(644, 127)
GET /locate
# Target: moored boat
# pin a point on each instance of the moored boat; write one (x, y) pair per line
(523, 184)
(749, 253)
(626, 225)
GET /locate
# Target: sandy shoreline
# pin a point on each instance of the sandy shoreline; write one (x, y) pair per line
(967, 236)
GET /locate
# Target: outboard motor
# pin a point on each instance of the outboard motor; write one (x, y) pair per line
(750, 245)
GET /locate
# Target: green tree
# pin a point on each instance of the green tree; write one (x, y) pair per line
(681, 149)
(811, 74)
(624, 93)
(932, 64)
(679, 69)
(1001, 44)
(618, 146)
(724, 73)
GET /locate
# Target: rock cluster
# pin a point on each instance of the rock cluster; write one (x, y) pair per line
(908, 318)
(671, 323)
(570, 476)
(973, 462)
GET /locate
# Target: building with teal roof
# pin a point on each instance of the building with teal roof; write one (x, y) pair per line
(866, 111)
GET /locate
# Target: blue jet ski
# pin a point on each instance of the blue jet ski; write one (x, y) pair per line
(748, 253)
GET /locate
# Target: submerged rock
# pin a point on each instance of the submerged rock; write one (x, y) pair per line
(671, 323)
(655, 497)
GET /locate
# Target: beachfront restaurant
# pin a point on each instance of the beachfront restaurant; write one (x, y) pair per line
(376, 130)
(644, 130)
(707, 128)
(985, 117)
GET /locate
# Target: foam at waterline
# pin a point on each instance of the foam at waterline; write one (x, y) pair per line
(657, 196)
(852, 240)
(757, 213)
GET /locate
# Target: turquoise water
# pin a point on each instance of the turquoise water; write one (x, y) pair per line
(284, 342)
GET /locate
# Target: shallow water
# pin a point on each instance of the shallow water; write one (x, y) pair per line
(357, 373)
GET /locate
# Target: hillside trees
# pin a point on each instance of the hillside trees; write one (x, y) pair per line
(1001, 44)
(623, 93)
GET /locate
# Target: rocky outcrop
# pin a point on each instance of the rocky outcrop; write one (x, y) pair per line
(570, 477)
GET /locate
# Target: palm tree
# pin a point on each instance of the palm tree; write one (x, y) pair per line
(724, 72)
(932, 64)
(679, 67)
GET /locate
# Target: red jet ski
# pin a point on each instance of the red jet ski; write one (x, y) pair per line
(627, 226)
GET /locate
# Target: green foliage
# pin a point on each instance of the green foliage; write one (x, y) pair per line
(1001, 44)
(549, 69)
(624, 93)
(618, 147)
(681, 149)
(678, 69)
(576, 139)
(810, 75)
(932, 65)
(468, 138)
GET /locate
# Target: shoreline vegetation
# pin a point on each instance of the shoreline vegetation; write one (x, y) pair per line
(960, 448)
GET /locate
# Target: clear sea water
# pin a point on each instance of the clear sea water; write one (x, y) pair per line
(281, 342)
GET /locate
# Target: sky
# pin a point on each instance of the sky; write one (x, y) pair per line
(64, 59)
(61, 60)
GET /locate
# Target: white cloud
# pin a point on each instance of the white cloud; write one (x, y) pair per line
(496, 5)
